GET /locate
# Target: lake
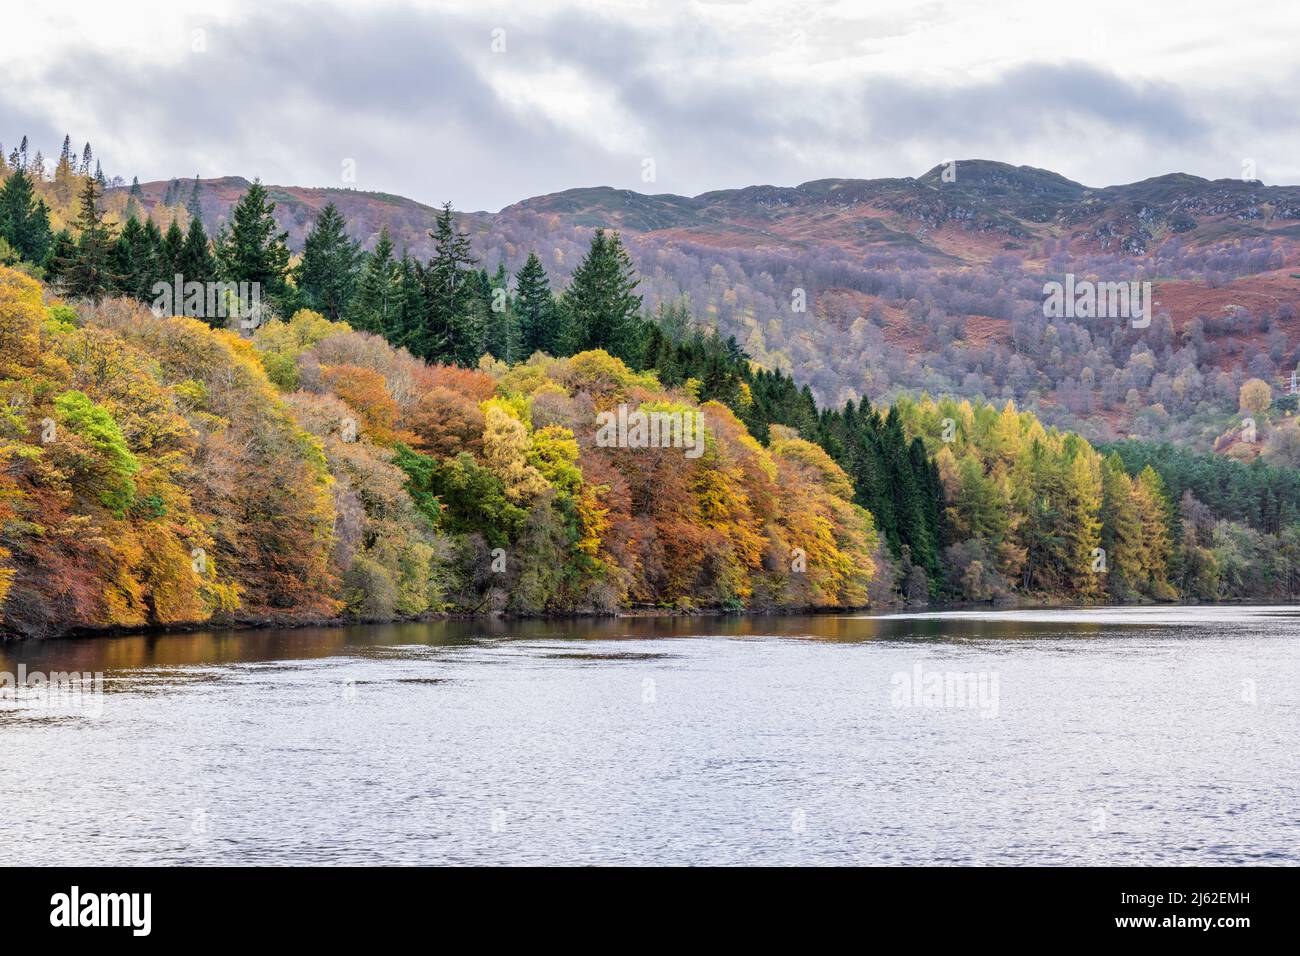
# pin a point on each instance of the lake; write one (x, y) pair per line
(1108, 736)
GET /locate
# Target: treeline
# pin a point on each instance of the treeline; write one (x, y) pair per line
(424, 441)
(154, 470)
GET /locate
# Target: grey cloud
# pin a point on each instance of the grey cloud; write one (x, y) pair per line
(407, 94)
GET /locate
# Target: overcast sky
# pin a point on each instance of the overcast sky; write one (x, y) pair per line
(485, 103)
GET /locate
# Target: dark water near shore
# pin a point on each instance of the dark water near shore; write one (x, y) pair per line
(1120, 736)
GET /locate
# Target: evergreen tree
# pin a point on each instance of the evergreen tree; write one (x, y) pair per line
(452, 330)
(133, 260)
(169, 263)
(194, 207)
(89, 271)
(601, 301)
(62, 251)
(331, 262)
(501, 324)
(252, 248)
(541, 328)
(196, 260)
(24, 220)
(375, 308)
(408, 328)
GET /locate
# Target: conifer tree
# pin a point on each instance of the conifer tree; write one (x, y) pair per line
(327, 275)
(540, 328)
(89, 272)
(133, 260)
(375, 307)
(24, 220)
(197, 262)
(409, 329)
(601, 300)
(252, 248)
(452, 330)
(501, 324)
(169, 262)
(193, 206)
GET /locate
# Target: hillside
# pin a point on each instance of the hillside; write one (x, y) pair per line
(995, 206)
(933, 282)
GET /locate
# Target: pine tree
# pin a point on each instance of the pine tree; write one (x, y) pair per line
(375, 307)
(24, 220)
(169, 262)
(86, 157)
(452, 330)
(501, 324)
(409, 317)
(540, 326)
(99, 175)
(194, 207)
(601, 300)
(62, 251)
(133, 260)
(196, 260)
(89, 272)
(331, 262)
(252, 248)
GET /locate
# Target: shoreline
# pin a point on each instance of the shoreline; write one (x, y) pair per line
(263, 624)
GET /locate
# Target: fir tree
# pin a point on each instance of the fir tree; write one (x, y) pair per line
(452, 330)
(601, 300)
(24, 220)
(196, 261)
(331, 262)
(252, 248)
(133, 260)
(169, 263)
(540, 328)
(501, 330)
(89, 271)
(375, 307)
(193, 206)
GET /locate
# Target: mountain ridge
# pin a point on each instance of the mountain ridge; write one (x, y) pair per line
(989, 201)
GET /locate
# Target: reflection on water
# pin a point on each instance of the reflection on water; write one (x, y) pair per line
(1154, 735)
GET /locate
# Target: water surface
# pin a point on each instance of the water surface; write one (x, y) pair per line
(1111, 736)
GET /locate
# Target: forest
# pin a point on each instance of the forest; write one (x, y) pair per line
(402, 437)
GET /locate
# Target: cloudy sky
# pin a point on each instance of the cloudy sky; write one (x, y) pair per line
(485, 103)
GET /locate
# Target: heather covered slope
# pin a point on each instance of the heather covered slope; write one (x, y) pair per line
(872, 288)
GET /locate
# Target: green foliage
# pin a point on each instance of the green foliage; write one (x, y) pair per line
(330, 267)
(600, 304)
(111, 464)
(252, 248)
